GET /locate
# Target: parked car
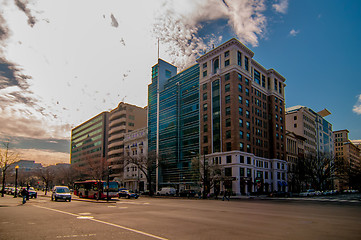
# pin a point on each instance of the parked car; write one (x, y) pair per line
(167, 191)
(32, 192)
(127, 193)
(308, 193)
(61, 192)
(187, 193)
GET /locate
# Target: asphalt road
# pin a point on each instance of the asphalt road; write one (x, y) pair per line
(162, 218)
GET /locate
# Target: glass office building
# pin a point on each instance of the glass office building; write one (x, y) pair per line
(173, 121)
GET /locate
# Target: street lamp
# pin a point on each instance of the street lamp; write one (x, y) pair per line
(16, 181)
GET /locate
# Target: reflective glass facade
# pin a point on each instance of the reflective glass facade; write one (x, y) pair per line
(178, 117)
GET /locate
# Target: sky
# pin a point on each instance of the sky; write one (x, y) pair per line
(63, 61)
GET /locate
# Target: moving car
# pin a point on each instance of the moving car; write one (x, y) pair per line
(308, 193)
(61, 192)
(127, 193)
(167, 191)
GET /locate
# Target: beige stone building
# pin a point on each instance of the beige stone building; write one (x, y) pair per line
(123, 119)
(345, 149)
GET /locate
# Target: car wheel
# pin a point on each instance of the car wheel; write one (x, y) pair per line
(69, 200)
(55, 199)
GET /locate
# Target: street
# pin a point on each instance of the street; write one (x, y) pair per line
(167, 218)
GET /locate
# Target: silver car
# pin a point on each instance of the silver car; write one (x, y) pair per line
(61, 192)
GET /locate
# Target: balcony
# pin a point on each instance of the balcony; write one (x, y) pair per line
(116, 114)
(119, 128)
(115, 151)
(117, 136)
(117, 121)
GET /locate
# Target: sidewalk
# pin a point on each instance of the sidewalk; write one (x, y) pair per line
(10, 201)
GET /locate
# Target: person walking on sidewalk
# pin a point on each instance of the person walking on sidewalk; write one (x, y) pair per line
(225, 195)
(24, 194)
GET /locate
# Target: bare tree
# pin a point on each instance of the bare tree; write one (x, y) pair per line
(207, 174)
(47, 175)
(7, 158)
(147, 164)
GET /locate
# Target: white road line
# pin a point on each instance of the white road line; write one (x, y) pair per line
(107, 223)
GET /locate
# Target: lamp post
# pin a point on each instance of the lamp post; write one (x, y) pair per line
(16, 181)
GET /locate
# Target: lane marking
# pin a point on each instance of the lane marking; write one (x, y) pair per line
(107, 223)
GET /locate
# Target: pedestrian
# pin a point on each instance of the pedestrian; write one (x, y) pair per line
(24, 193)
(225, 195)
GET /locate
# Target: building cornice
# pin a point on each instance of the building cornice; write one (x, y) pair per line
(225, 45)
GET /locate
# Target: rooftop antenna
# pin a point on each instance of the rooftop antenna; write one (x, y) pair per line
(158, 48)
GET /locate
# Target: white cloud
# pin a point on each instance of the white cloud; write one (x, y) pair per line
(280, 6)
(294, 33)
(357, 107)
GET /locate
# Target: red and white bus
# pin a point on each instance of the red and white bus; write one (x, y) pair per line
(93, 188)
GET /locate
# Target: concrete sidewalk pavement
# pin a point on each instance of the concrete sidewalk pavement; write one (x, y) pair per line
(10, 201)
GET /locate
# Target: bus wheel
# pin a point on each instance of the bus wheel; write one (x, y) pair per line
(95, 196)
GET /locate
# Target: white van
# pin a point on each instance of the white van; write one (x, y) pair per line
(167, 191)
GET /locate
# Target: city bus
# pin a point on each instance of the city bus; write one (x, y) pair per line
(93, 188)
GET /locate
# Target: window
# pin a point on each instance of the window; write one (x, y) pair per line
(240, 99)
(204, 96)
(204, 65)
(228, 134)
(246, 81)
(228, 111)
(247, 92)
(205, 107)
(295, 125)
(241, 146)
(247, 102)
(257, 76)
(239, 58)
(248, 148)
(248, 125)
(266, 175)
(249, 173)
(227, 87)
(263, 81)
(240, 77)
(226, 54)
(215, 65)
(228, 146)
(240, 111)
(239, 87)
(228, 172)
(241, 134)
(241, 172)
(228, 99)
(229, 159)
(246, 63)
(204, 86)
(248, 160)
(205, 139)
(240, 121)
(168, 73)
(275, 83)
(205, 128)
(226, 63)
(228, 122)
(248, 137)
(241, 159)
(247, 114)
(280, 87)
(227, 76)
(131, 124)
(205, 73)
(205, 118)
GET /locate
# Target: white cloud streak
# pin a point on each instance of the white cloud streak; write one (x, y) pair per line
(357, 107)
(294, 32)
(280, 6)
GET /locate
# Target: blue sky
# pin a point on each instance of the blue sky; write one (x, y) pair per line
(63, 61)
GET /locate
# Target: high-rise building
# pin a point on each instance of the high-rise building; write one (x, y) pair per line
(305, 122)
(123, 119)
(89, 143)
(227, 108)
(173, 122)
(242, 117)
(346, 150)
